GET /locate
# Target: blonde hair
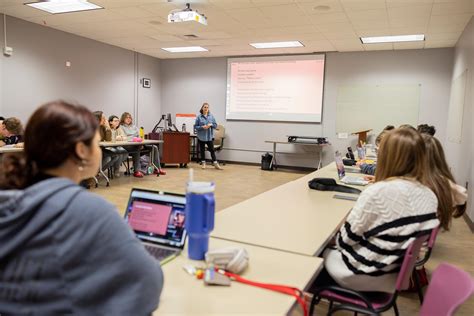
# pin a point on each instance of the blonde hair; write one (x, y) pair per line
(402, 153)
(439, 176)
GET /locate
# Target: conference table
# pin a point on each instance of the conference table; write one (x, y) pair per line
(319, 150)
(282, 230)
(291, 217)
(183, 294)
(128, 143)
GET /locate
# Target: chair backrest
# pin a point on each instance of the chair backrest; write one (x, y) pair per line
(448, 289)
(411, 254)
(433, 235)
(219, 133)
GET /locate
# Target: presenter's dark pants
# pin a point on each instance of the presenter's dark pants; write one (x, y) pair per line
(210, 147)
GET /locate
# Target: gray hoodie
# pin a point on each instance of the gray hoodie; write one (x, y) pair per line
(64, 250)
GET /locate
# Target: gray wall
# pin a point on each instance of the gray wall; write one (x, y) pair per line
(461, 155)
(187, 83)
(102, 77)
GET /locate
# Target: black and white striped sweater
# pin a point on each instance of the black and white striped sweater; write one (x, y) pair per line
(371, 244)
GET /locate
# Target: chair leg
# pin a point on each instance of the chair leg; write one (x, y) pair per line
(395, 308)
(416, 279)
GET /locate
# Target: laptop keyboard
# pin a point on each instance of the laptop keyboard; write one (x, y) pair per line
(159, 253)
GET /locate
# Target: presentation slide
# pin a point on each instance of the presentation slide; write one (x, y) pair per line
(282, 88)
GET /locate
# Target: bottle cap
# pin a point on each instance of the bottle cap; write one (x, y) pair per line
(200, 187)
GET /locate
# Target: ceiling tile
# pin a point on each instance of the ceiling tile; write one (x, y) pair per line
(347, 45)
(378, 46)
(420, 11)
(232, 4)
(320, 7)
(408, 45)
(440, 44)
(361, 5)
(453, 7)
(406, 3)
(326, 18)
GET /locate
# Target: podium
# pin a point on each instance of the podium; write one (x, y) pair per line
(362, 136)
(175, 148)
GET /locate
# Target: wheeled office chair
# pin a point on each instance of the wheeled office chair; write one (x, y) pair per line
(219, 136)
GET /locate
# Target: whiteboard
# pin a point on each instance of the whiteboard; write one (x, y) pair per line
(363, 107)
(188, 120)
(456, 108)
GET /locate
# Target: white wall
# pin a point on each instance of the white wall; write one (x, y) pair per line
(187, 83)
(460, 156)
(102, 77)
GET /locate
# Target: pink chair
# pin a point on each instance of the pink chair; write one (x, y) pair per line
(421, 262)
(360, 302)
(448, 289)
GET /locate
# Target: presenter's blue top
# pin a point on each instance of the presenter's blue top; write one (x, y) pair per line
(202, 120)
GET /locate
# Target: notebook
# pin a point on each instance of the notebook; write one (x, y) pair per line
(341, 172)
(157, 219)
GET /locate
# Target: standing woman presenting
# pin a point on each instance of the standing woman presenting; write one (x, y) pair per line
(205, 125)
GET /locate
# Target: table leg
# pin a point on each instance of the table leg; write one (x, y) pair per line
(320, 154)
(103, 174)
(152, 156)
(274, 161)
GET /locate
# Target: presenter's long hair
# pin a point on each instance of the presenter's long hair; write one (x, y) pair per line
(439, 176)
(51, 136)
(402, 153)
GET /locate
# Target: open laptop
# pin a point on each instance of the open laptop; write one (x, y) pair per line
(341, 172)
(157, 218)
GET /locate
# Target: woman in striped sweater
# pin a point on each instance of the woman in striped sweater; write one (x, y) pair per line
(385, 219)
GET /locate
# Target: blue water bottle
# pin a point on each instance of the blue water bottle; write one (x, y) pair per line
(200, 206)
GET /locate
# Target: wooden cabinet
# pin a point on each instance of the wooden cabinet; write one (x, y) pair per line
(175, 148)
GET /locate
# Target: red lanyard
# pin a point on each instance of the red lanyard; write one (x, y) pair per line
(272, 287)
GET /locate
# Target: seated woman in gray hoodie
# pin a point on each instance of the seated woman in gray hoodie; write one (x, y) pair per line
(65, 250)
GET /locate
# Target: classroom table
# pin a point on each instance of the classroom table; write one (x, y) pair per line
(291, 217)
(183, 294)
(319, 148)
(127, 143)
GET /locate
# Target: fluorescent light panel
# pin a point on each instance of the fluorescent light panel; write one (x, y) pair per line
(393, 39)
(187, 49)
(63, 6)
(277, 44)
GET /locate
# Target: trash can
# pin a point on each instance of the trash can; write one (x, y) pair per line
(267, 161)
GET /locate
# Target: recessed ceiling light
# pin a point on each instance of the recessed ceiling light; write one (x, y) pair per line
(63, 6)
(392, 39)
(187, 49)
(277, 44)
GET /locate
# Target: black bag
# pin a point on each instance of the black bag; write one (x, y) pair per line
(267, 162)
(328, 184)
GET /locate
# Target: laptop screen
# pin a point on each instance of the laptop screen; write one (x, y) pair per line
(157, 217)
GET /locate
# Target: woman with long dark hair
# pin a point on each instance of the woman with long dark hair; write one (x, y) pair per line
(64, 250)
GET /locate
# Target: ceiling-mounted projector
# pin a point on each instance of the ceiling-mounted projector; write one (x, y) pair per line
(186, 15)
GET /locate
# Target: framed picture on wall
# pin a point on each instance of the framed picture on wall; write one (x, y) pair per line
(146, 83)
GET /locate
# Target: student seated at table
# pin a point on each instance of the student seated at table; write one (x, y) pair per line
(385, 218)
(119, 135)
(131, 131)
(12, 130)
(64, 250)
(109, 158)
(370, 168)
(441, 181)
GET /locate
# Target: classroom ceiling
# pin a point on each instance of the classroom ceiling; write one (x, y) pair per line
(321, 25)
